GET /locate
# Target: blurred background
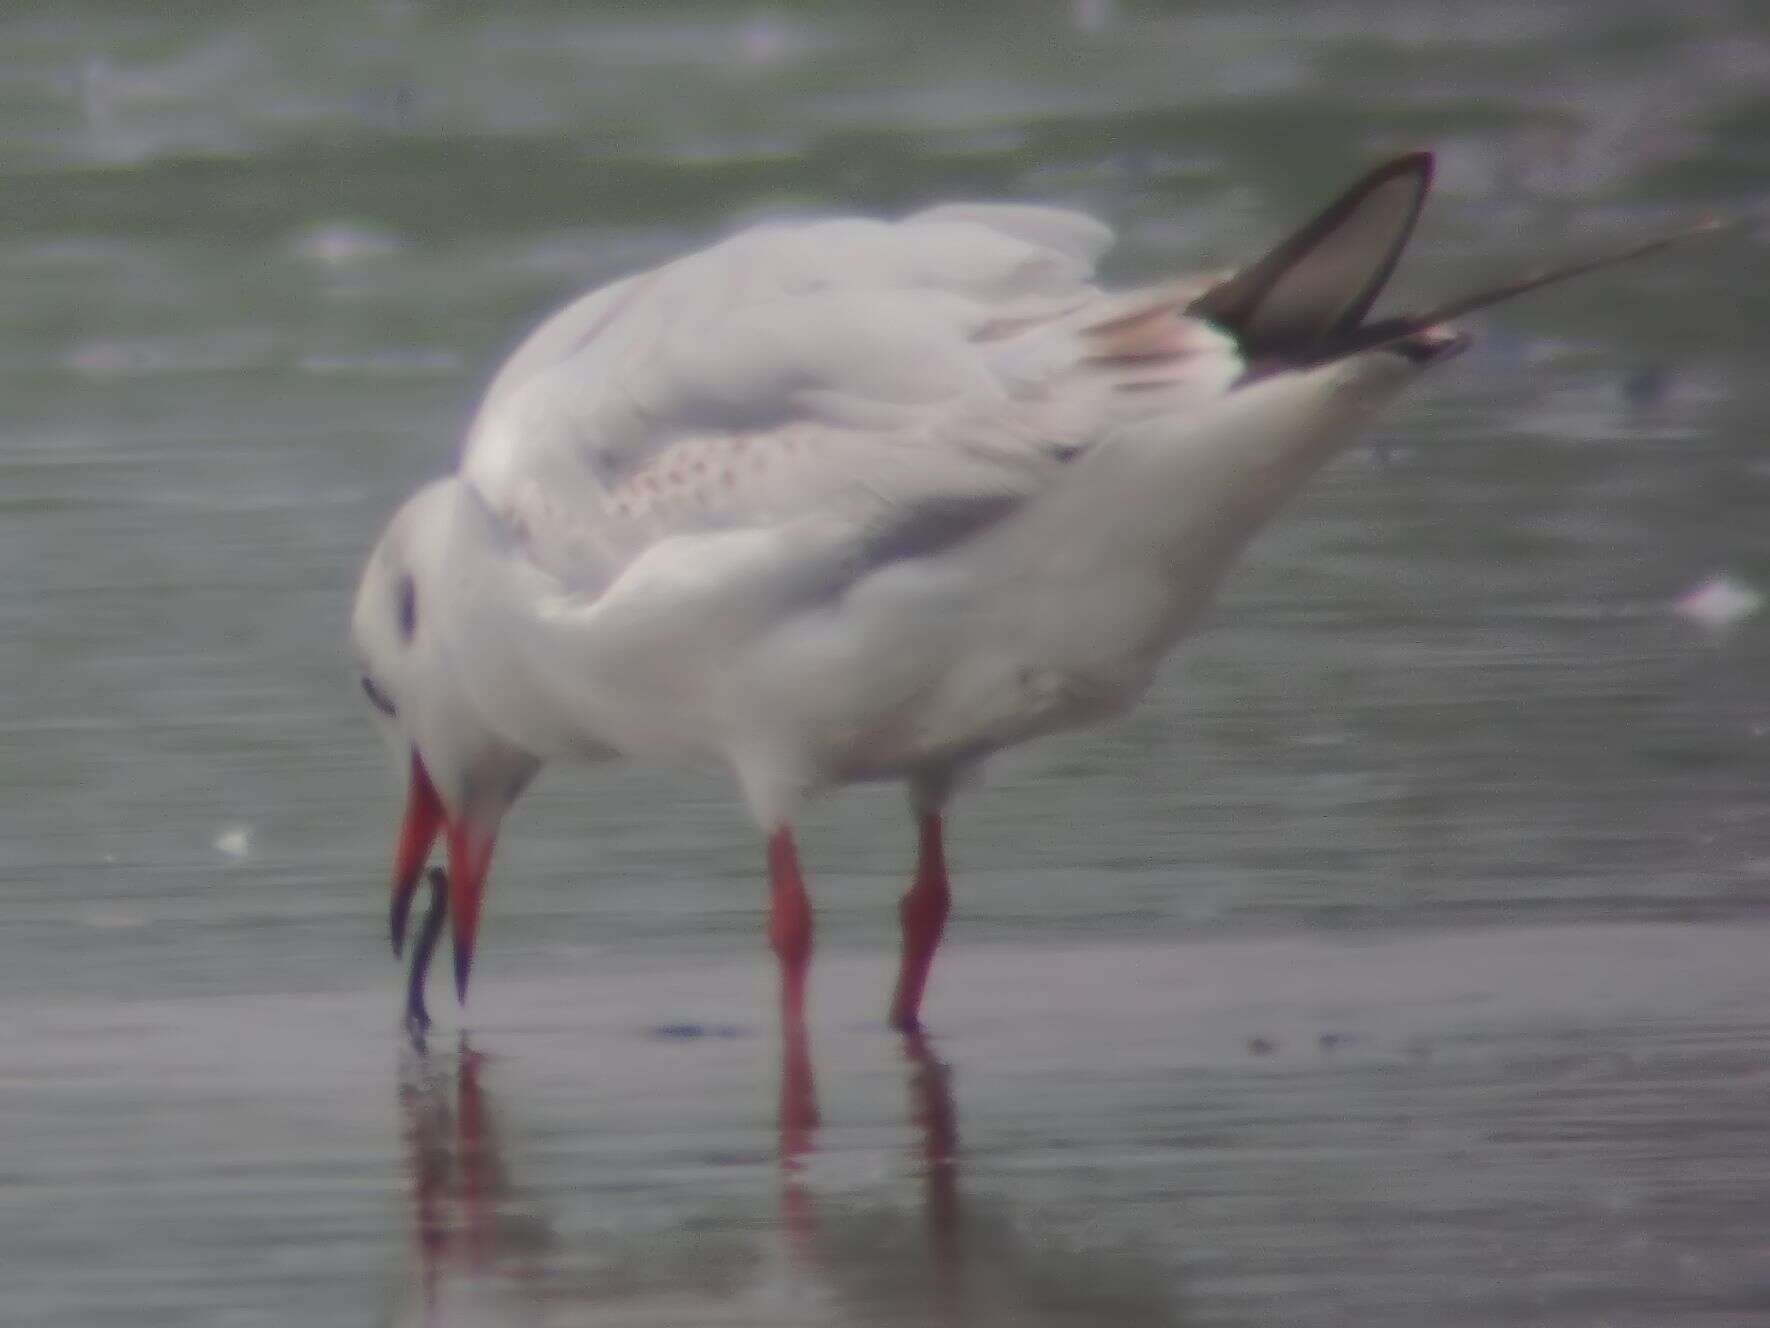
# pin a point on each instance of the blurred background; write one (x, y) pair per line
(1394, 963)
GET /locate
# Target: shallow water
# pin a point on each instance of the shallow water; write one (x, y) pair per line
(1395, 963)
(1498, 1125)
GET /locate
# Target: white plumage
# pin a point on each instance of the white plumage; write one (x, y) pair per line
(749, 498)
(855, 499)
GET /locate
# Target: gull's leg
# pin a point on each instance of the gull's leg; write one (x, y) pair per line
(789, 923)
(923, 913)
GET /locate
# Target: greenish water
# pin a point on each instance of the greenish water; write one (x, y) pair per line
(1446, 779)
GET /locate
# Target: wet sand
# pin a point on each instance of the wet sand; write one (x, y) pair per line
(1548, 1126)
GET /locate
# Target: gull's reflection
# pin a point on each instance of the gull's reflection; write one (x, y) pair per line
(930, 1110)
(489, 1255)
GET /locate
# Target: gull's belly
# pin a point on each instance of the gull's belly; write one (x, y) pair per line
(937, 666)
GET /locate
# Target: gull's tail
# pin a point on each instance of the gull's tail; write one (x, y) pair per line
(1160, 511)
(1307, 302)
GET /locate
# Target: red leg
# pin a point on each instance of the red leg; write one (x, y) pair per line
(923, 911)
(789, 922)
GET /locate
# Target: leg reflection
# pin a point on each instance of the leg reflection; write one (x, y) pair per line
(903, 1248)
(931, 1113)
(798, 1130)
(931, 1109)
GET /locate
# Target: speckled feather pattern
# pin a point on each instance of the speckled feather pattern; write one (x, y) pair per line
(845, 367)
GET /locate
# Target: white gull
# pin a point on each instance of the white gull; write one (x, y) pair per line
(852, 500)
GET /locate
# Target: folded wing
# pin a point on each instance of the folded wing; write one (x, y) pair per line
(895, 387)
(907, 382)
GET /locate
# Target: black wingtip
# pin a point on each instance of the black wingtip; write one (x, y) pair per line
(1321, 280)
(1423, 338)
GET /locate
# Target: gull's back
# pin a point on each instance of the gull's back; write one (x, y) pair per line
(856, 499)
(900, 383)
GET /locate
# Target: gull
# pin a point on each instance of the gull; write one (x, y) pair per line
(849, 499)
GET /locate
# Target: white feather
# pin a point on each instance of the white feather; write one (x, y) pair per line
(851, 499)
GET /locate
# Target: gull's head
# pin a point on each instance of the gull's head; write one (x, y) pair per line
(462, 776)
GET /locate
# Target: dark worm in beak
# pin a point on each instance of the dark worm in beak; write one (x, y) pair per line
(429, 932)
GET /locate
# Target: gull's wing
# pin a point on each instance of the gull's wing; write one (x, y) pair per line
(876, 391)
(894, 385)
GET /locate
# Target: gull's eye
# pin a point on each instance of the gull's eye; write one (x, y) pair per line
(378, 698)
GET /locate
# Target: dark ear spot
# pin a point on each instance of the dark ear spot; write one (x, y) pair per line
(408, 609)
